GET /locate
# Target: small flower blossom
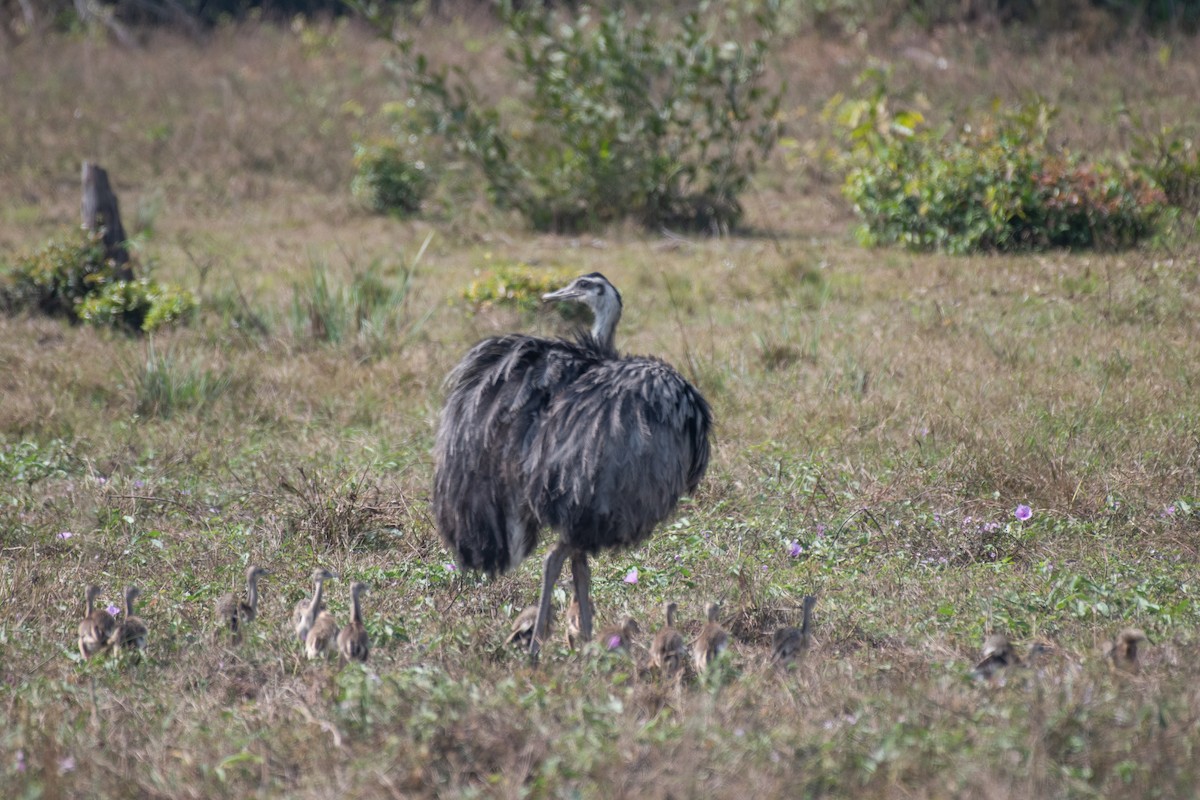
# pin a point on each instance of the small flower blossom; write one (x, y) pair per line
(113, 610)
(794, 549)
(449, 567)
(631, 576)
(1023, 512)
(1169, 511)
(20, 761)
(614, 642)
(65, 535)
(66, 765)
(138, 484)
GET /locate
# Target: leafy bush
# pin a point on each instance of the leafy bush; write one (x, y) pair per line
(142, 305)
(622, 120)
(1173, 163)
(992, 186)
(71, 278)
(516, 286)
(387, 181)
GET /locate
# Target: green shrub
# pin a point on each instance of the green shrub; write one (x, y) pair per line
(995, 185)
(656, 120)
(387, 181)
(142, 305)
(71, 278)
(55, 279)
(516, 286)
(1173, 163)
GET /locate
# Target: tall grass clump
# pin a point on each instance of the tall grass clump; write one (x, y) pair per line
(994, 185)
(370, 310)
(164, 386)
(657, 119)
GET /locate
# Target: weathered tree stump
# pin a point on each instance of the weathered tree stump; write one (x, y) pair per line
(101, 213)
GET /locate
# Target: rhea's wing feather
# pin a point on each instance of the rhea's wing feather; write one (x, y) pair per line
(616, 450)
(496, 398)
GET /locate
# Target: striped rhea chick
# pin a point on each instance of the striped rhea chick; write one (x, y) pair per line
(712, 640)
(522, 627)
(667, 653)
(233, 612)
(620, 637)
(321, 636)
(573, 623)
(1125, 651)
(789, 643)
(998, 653)
(130, 634)
(352, 641)
(308, 609)
(96, 626)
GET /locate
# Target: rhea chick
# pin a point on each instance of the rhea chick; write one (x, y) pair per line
(573, 622)
(667, 652)
(1125, 651)
(789, 644)
(233, 612)
(620, 638)
(522, 627)
(352, 642)
(96, 627)
(306, 611)
(712, 640)
(130, 634)
(998, 653)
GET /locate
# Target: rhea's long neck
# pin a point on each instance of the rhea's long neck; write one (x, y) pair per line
(604, 326)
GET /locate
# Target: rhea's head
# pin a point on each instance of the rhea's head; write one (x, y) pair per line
(594, 291)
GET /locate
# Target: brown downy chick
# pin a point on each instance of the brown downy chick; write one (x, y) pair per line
(522, 627)
(307, 610)
(788, 644)
(130, 634)
(96, 627)
(1125, 651)
(352, 642)
(998, 653)
(573, 623)
(233, 612)
(667, 652)
(712, 640)
(321, 636)
(620, 638)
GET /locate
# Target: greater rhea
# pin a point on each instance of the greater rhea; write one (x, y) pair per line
(667, 653)
(233, 612)
(130, 634)
(308, 609)
(96, 627)
(712, 640)
(569, 435)
(352, 641)
(321, 636)
(788, 644)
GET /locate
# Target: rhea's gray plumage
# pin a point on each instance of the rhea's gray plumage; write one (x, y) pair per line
(569, 435)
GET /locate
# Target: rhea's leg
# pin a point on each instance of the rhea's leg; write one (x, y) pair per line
(550, 572)
(581, 573)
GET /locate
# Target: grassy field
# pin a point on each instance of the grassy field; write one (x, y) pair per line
(884, 410)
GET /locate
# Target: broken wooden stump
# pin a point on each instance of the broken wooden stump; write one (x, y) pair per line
(101, 214)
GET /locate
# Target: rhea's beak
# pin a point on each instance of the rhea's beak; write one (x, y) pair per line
(567, 293)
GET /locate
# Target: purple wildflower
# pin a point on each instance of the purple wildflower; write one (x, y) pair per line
(1023, 512)
(113, 610)
(450, 567)
(1170, 511)
(65, 535)
(20, 761)
(794, 549)
(66, 765)
(631, 576)
(138, 484)
(614, 641)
